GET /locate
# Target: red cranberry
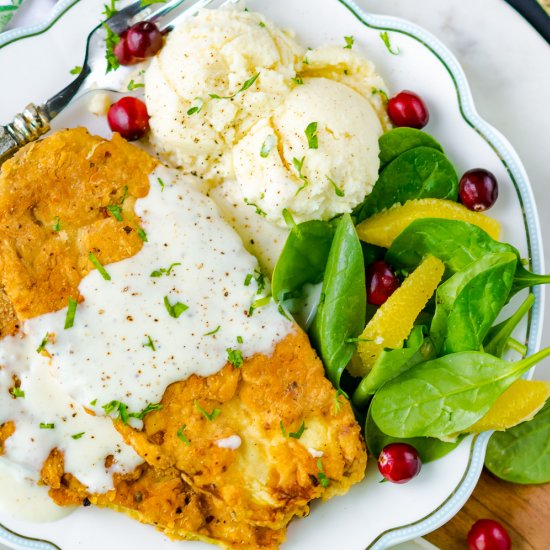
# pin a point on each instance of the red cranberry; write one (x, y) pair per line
(399, 462)
(144, 39)
(478, 189)
(407, 109)
(488, 534)
(121, 51)
(129, 117)
(381, 283)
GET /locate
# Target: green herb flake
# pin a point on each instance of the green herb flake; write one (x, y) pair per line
(248, 279)
(78, 435)
(149, 344)
(381, 93)
(77, 69)
(94, 402)
(149, 408)
(71, 312)
(259, 211)
(174, 310)
(297, 434)
(283, 431)
(47, 426)
(262, 24)
(182, 436)
(164, 271)
(43, 344)
(161, 183)
(323, 479)
(115, 211)
(350, 40)
(338, 403)
(311, 135)
(262, 302)
(235, 357)
(111, 40)
(145, 3)
(120, 410)
(209, 416)
(298, 165)
(103, 272)
(289, 219)
(17, 392)
(283, 312)
(243, 88)
(297, 80)
(141, 234)
(268, 145)
(339, 192)
(134, 85)
(197, 108)
(239, 339)
(56, 224)
(386, 39)
(110, 9)
(259, 277)
(212, 332)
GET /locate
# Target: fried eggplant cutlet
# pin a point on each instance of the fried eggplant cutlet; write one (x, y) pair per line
(229, 458)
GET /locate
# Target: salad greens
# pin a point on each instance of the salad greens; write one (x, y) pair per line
(341, 312)
(422, 172)
(522, 454)
(447, 395)
(450, 370)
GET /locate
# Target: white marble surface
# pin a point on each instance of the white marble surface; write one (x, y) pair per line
(508, 66)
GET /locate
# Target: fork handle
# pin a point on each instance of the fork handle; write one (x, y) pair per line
(26, 127)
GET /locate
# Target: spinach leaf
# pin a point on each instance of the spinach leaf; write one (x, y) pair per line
(522, 454)
(498, 337)
(397, 141)
(341, 312)
(303, 259)
(456, 244)
(392, 363)
(447, 395)
(469, 302)
(429, 448)
(419, 173)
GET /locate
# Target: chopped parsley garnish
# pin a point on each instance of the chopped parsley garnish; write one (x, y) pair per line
(350, 40)
(149, 344)
(134, 85)
(149, 408)
(78, 435)
(115, 211)
(164, 270)
(289, 220)
(174, 310)
(145, 3)
(124, 195)
(338, 404)
(239, 339)
(110, 9)
(161, 183)
(111, 40)
(282, 311)
(141, 234)
(248, 279)
(56, 224)
(262, 24)
(212, 332)
(209, 416)
(386, 39)
(311, 135)
(258, 304)
(42, 345)
(121, 410)
(268, 145)
(323, 479)
(337, 190)
(182, 436)
(17, 392)
(77, 69)
(259, 211)
(283, 429)
(47, 426)
(197, 108)
(297, 434)
(381, 93)
(243, 88)
(235, 357)
(71, 312)
(298, 165)
(94, 402)
(297, 80)
(103, 272)
(259, 277)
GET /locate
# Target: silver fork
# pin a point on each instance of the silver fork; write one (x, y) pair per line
(34, 121)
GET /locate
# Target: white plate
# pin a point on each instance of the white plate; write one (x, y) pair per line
(36, 64)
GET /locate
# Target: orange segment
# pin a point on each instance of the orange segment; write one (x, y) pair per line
(381, 229)
(394, 320)
(519, 403)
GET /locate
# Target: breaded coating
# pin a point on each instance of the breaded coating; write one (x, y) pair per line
(55, 196)
(230, 458)
(270, 471)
